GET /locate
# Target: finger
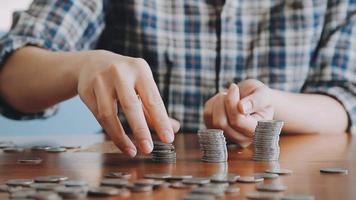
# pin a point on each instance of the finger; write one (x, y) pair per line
(152, 101)
(107, 117)
(89, 100)
(220, 121)
(219, 116)
(237, 137)
(208, 112)
(257, 100)
(132, 108)
(231, 100)
(175, 124)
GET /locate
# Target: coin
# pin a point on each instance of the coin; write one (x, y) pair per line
(19, 182)
(263, 195)
(29, 160)
(249, 179)
(274, 187)
(50, 179)
(56, 150)
(103, 191)
(279, 171)
(212, 145)
(334, 170)
(297, 197)
(125, 175)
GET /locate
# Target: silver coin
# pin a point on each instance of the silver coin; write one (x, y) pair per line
(22, 194)
(103, 191)
(75, 183)
(232, 190)
(196, 181)
(71, 146)
(115, 182)
(30, 160)
(139, 188)
(249, 179)
(71, 192)
(40, 148)
(297, 197)
(44, 186)
(227, 178)
(50, 179)
(124, 175)
(266, 175)
(56, 150)
(271, 187)
(334, 170)
(13, 149)
(45, 195)
(6, 144)
(157, 176)
(218, 192)
(279, 171)
(9, 189)
(178, 177)
(19, 182)
(180, 185)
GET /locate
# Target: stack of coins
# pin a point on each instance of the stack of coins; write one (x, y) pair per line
(265, 140)
(213, 145)
(163, 153)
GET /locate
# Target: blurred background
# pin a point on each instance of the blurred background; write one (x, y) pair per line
(73, 116)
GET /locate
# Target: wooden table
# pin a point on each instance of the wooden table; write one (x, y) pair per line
(304, 154)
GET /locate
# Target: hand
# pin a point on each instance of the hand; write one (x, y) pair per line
(237, 110)
(107, 79)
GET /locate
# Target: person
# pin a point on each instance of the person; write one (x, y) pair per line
(225, 64)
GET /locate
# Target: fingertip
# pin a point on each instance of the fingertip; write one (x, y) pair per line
(168, 136)
(130, 152)
(175, 125)
(146, 146)
(245, 106)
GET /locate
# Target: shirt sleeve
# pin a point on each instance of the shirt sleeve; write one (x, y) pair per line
(333, 68)
(56, 25)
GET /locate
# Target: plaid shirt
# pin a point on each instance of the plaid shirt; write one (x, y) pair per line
(196, 47)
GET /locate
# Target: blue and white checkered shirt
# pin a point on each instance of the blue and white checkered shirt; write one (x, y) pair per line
(196, 47)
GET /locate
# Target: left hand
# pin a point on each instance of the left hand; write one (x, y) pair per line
(237, 110)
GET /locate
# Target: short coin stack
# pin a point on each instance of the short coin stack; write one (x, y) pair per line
(265, 140)
(213, 145)
(163, 153)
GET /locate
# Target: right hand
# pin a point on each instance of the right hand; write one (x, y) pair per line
(107, 80)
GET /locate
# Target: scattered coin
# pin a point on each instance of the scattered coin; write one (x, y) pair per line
(265, 140)
(218, 192)
(9, 189)
(75, 183)
(71, 192)
(40, 148)
(56, 150)
(180, 185)
(213, 145)
(226, 178)
(139, 188)
(6, 144)
(196, 181)
(103, 191)
(274, 187)
(119, 183)
(266, 175)
(44, 186)
(22, 194)
(232, 190)
(51, 179)
(334, 170)
(13, 149)
(71, 146)
(19, 182)
(297, 197)
(263, 195)
(30, 160)
(178, 177)
(124, 175)
(249, 179)
(279, 171)
(45, 195)
(199, 197)
(157, 176)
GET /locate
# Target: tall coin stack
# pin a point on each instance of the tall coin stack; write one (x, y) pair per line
(213, 145)
(265, 140)
(163, 153)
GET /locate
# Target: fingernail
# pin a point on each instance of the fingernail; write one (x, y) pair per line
(169, 136)
(247, 107)
(146, 146)
(130, 152)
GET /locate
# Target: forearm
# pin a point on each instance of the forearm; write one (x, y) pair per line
(309, 113)
(34, 79)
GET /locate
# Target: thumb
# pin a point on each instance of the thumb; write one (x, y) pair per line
(254, 102)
